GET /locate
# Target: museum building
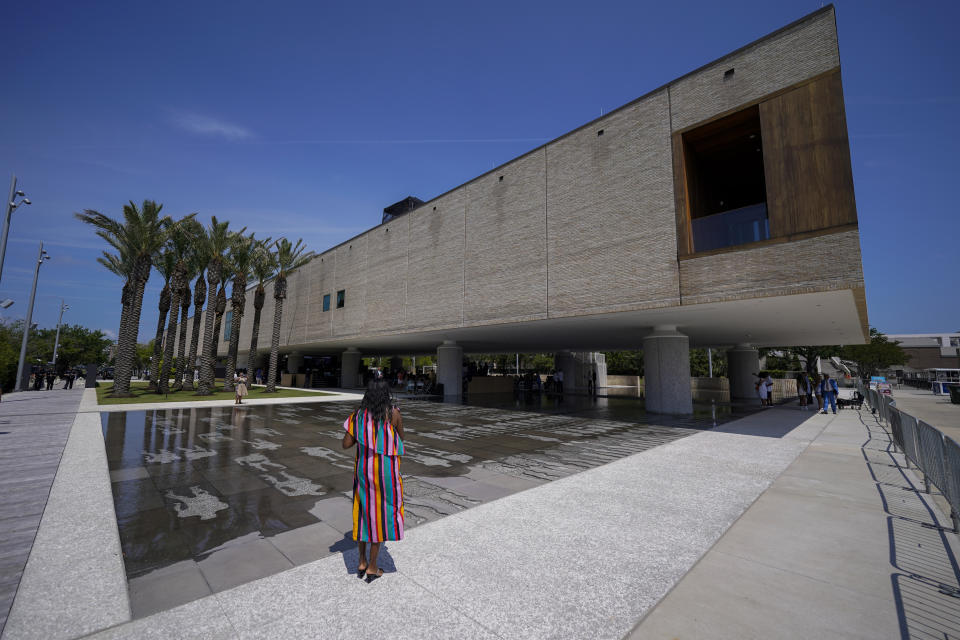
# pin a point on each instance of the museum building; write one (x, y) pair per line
(717, 210)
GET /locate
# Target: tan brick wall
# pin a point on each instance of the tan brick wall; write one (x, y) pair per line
(386, 290)
(435, 263)
(814, 264)
(611, 223)
(506, 253)
(350, 274)
(802, 52)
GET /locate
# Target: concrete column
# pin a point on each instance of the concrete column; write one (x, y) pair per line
(396, 363)
(566, 362)
(743, 363)
(666, 370)
(450, 370)
(600, 362)
(350, 368)
(294, 362)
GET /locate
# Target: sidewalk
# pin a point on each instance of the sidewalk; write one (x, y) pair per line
(783, 524)
(839, 546)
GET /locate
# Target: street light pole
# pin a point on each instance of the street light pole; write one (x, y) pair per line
(56, 343)
(9, 207)
(21, 383)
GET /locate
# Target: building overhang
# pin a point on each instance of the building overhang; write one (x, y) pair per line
(828, 317)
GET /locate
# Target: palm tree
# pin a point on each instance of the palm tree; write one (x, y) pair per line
(219, 309)
(138, 238)
(290, 257)
(199, 297)
(216, 245)
(241, 259)
(180, 248)
(185, 301)
(164, 263)
(264, 264)
(121, 265)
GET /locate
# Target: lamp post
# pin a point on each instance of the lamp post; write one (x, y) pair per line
(56, 343)
(10, 207)
(21, 382)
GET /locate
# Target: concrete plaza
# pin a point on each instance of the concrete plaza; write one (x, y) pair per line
(779, 524)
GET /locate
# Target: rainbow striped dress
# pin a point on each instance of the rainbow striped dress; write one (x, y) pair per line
(377, 485)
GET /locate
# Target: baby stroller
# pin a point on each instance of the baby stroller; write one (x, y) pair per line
(856, 402)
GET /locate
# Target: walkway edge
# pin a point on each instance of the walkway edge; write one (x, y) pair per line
(74, 581)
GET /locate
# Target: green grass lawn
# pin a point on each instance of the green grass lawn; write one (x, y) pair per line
(141, 393)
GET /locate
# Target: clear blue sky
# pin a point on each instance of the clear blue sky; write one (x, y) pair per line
(307, 118)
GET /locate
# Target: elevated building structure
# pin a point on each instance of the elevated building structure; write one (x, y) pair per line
(717, 210)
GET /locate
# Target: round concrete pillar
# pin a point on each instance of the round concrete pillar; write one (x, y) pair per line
(396, 362)
(743, 363)
(666, 371)
(294, 362)
(565, 361)
(450, 370)
(350, 369)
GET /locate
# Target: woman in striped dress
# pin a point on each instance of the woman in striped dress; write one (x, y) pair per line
(377, 430)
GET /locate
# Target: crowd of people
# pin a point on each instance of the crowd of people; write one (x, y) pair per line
(811, 387)
(40, 380)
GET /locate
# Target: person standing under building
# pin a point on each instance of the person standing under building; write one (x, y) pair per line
(558, 380)
(829, 391)
(804, 390)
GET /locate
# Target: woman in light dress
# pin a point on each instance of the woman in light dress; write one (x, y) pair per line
(240, 384)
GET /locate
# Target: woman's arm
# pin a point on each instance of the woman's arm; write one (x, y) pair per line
(397, 421)
(348, 440)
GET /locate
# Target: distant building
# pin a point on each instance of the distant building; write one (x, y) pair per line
(928, 352)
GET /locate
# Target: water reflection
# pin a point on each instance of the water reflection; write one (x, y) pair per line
(194, 484)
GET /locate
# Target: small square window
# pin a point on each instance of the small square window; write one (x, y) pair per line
(326, 302)
(341, 298)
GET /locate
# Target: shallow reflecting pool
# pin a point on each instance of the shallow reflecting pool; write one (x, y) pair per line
(210, 498)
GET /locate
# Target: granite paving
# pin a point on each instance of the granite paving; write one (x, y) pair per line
(34, 426)
(207, 499)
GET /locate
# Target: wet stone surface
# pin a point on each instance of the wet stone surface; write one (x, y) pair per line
(210, 498)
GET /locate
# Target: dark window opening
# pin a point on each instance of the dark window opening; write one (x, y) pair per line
(326, 302)
(341, 298)
(728, 74)
(600, 133)
(725, 182)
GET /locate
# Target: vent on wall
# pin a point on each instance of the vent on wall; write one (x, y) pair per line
(600, 132)
(728, 74)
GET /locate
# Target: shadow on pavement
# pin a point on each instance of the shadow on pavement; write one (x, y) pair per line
(926, 583)
(347, 548)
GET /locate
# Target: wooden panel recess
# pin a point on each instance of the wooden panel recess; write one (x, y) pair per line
(806, 157)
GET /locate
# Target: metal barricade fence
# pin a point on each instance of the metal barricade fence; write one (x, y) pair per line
(935, 455)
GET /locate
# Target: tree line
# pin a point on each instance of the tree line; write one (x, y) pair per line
(210, 257)
(78, 346)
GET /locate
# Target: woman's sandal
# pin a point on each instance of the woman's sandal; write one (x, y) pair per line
(373, 576)
(361, 571)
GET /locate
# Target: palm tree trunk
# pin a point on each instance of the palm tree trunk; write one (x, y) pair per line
(182, 347)
(274, 347)
(126, 300)
(258, 300)
(158, 340)
(206, 361)
(124, 369)
(157, 351)
(221, 308)
(199, 297)
(238, 299)
(176, 286)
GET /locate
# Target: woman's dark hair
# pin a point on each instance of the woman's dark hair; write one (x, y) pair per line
(376, 400)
